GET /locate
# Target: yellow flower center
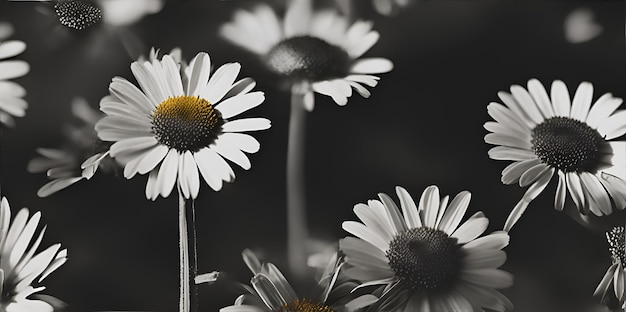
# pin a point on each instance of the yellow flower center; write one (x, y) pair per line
(186, 123)
(304, 305)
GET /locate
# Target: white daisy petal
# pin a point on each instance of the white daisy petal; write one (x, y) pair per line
(495, 240)
(211, 167)
(527, 103)
(56, 185)
(232, 154)
(13, 69)
(220, 83)
(297, 18)
(368, 80)
(242, 86)
(507, 140)
(512, 173)
(614, 126)
(167, 173)
(429, 206)
(519, 110)
(470, 230)
(153, 158)
(582, 101)
(540, 96)
(200, 69)
(330, 89)
(238, 104)
(560, 99)
(488, 277)
(602, 109)
(370, 218)
(242, 141)
(363, 45)
(371, 66)
(499, 128)
(11, 48)
(409, 209)
(575, 189)
(533, 174)
(507, 117)
(149, 84)
(561, 190)
(360, 230)
(591, 183)
(508, 153)
(246, 124)
(455, 212)
(10, 88)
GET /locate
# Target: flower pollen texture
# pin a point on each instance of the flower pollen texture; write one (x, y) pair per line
(424, 258)
(186, 123)
(567, 144)
(77, 14)
(304, 305)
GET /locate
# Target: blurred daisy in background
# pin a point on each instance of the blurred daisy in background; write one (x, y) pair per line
(612, 287)
(81, 156)
(12, 103)
(390, 7)
(271, 292)
(543, 135)
(580, 26)
(21, 268)
(424, 257)
(314, 50)
(179, 125)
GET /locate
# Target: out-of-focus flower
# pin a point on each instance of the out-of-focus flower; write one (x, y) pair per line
(124, 12)
(180, 123)
(271, 292)
(612, 287)
(579, 26)
(12, 103)
(81, 156)
(316, 51)
(390, 7)
(422, 257)
(21, 268)
(543, 135)
(77, 14)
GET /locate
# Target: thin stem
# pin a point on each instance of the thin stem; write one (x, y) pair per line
(296, 201)
(187, 243)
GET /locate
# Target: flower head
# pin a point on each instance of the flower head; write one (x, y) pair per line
(425, 258)
(315, 50)
(12, 103)
(271, 292)
(22, 269)
(82, 155)
(545, 135)
(180, 124)
(77, 14)
(612, 287)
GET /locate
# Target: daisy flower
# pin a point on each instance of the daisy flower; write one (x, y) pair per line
(12, 103)
(424, 257)
(21, 268)
(271, 292)
(180, 124)
(76, 159)
(390, 7)
(614, 281)
(316, 50)
(546, 135)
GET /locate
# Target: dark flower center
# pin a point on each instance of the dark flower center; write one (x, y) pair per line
(424, 258)
(186, 123)
(567, 144)
(308, 58)
(304, 305)
(616, 241)
(77, 14)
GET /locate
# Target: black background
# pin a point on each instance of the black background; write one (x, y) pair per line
(421, 126)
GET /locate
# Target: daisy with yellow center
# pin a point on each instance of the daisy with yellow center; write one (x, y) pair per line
(271, 292)
(316, 50)
(21, 268)
(180, 125)
(12, 103)
(544, 135)
(612, 288)
(424, 258)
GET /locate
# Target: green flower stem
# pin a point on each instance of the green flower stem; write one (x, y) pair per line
(296, 202)
(187, 252)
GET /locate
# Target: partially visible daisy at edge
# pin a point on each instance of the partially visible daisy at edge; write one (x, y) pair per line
(613, 285)
(82, 154)
(271, 292)
(317, 51)
(22, 268)
(544, 135)
(12, 103)
(179, 125)
(424, 258)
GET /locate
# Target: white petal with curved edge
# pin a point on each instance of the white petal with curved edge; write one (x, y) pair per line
(507, 117)
(367, 80)
(172, 76)
(602, 109)
(297, 18)
(360, 230)
(507, 140)
(470, 230)
(561, 190)
(519, 110)
(376, 65)
(614, 126)
(10, 88)
(56, 185)
(233, 154)
(371, 219)
(527, 103)
(596, 190)
(575, 189)
(539, 94)
(191, 173)
(13, 105)
(246, 124)
(455, 212)
(238, 104)
(560, 99)
(495, 240)
(200, 69)
(130, 95)
(582, 101)
(409, 209)
(167, 173)
(499, 128)
(209, 167)
(148, 83)
(242, 86)
(363, 45)
(514, 171)
(11, 48)
(493, 278)
(330, 89)
(509, 153)
(221, 82)
(242, 141)
(429, 206)
(533, 174)
(151, 187)
(152, 159)
(13, 69)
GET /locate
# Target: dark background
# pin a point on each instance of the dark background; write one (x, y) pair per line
(422, 126)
